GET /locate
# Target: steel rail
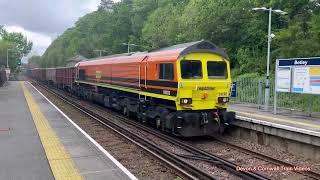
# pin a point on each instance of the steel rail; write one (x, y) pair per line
(205, 156)
(169, 158)
(272, 160)
(222, 163)
(198, 154)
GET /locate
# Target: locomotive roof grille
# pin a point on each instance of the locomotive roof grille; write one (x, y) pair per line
(204, 47)
(196, 47)
(182, 49)
(111, 56)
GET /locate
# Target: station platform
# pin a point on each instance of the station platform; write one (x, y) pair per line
(286, 119)
(38, 141)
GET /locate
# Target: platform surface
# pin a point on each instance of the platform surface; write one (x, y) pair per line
(39, 142)
(21, 154)
(283, 117)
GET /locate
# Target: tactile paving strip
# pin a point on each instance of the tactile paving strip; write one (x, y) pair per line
(60, 162)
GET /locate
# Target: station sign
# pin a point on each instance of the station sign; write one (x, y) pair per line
(233, 91)
(298, 75)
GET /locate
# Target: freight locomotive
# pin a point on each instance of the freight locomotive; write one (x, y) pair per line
(183, 89)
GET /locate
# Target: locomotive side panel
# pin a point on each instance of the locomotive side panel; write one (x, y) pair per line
(126, 74)
(162, 75)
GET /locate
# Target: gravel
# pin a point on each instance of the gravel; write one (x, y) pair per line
(246, 160)
(137, 161)
(145, 166)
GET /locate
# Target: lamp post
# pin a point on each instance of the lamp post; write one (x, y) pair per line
(8, 57)
(100, 51)
(128, 44)
(267, 88)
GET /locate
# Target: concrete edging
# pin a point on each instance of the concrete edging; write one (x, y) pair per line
(284, 131)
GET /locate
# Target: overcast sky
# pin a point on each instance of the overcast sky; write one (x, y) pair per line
(43, 20)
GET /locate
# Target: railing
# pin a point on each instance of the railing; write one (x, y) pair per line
(251, 90)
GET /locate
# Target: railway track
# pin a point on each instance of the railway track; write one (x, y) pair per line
(178, 161)
(206, 156)
(275, 161)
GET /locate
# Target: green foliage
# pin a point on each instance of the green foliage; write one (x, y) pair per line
(229, 24)
(254, 76)
(20, 43)
(251, 61)
(105, 5)
(34, 61)
(162, 27)
(4, 45)
(15, 45)
(103, 29)
(299, 40)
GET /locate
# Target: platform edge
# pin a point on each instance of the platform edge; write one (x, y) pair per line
(118, 164)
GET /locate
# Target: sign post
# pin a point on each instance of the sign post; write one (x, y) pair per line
(233, 92)
(275, 89)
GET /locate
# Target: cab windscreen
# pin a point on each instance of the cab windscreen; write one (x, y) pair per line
(217, 70)
(191, 69)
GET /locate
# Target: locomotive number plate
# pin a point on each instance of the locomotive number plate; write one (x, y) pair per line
(98, 74)
(223, 94)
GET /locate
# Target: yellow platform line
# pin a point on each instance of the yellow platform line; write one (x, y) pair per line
(251, 115)
(60, 162)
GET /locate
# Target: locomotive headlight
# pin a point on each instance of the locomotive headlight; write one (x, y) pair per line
(185, 101)
(223, 99)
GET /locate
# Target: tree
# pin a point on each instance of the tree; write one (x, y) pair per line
(34, 62)
(106, 5)
(15, 44)
(141, 11)
(21, 45)
(229, 24)
(4, 46)
(163, 27)
(302, 37)
(97, 30)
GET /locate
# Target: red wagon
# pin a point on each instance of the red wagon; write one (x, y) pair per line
(39, 74)
(65, 77)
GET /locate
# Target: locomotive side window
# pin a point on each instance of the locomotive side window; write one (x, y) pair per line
(166, 71)
(191, 69)
(217, 70)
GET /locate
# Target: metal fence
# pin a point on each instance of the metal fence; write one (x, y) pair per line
(251, 90)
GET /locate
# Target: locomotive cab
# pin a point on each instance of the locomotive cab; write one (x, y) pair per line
(203, 93)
